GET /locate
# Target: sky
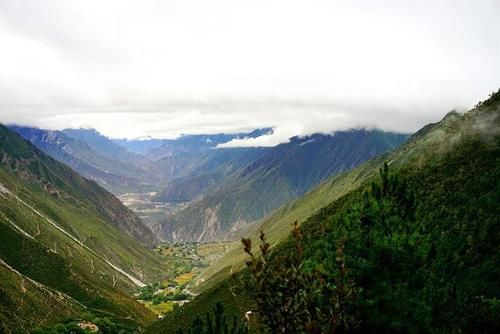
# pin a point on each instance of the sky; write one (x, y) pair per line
(164, 68)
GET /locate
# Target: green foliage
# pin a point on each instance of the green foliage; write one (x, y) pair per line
(105, 325)
(493, 100)
(292, 300)
(216, 323)
(180, 296)
(147, 292)
(422, 244)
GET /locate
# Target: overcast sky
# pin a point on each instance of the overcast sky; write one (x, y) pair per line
(162, 68)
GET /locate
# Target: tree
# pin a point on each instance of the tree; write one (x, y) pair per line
(293, 300)
(216, 323)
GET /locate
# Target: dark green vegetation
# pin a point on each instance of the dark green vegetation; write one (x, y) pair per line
(419, 241)
(282, 173)
(67, 246)
(102, 325)
(422, 245)
(216, 323)
(290, 299)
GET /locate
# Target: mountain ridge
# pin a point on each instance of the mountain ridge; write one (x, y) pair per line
(66, 236)
(281, 174)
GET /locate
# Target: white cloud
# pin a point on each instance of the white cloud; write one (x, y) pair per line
(163, 68)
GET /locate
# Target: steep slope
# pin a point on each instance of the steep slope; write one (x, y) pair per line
(30, 164)
(444, 279)
(105, 146)
(65, 242)
(208, 171)
(282, 173)
(109, 171)
(433, 139)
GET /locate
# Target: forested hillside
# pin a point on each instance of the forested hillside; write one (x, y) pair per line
(413, 249)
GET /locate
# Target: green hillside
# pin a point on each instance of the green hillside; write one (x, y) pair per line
(433, 139)
(439, 267)
(66, 244)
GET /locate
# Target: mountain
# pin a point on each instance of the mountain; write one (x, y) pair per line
(282, 173)
(104, 145)
(196, 144)
(113, 165)
(428, 264)
(432, 140)
(67, 246)
(116, 172)
(140, 146)
(205, 172)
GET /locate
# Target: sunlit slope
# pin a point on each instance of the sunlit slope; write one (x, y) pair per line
(63, 234)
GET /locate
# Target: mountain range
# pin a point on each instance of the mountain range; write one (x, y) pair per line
(93, 156)
(226, 189)
(439, 261)
(70, 248)
(243, 191)
(116, 166)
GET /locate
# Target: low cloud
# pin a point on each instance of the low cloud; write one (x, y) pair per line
(161, 69)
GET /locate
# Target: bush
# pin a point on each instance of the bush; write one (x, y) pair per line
(216, 323)
(292, 300)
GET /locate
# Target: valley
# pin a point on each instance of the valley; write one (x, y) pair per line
(249, 167)
(151, 212)
(187, 262)
(157, 253)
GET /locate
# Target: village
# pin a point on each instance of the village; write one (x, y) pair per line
(186, 260)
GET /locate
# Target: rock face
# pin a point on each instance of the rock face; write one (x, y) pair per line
(280, 174)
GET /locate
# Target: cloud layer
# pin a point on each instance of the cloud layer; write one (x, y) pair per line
(164, 68)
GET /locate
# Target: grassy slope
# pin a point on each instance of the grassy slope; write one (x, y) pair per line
(429, 144)
(33, 305)
(54, 259)
(30, 164)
